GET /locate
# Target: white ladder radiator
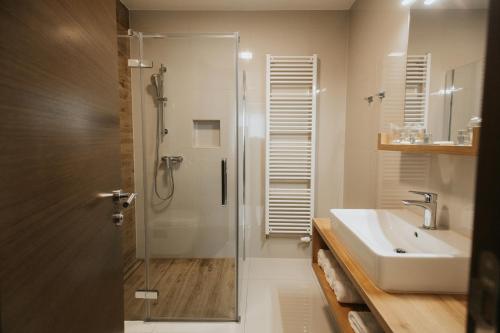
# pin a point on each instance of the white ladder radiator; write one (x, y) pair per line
(290, 143)
(418, 73)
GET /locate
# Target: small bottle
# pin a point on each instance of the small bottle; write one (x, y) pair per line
(427, 137)
(468, 136)
(461, 137)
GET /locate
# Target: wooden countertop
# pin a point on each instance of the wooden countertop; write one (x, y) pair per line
(418, 313)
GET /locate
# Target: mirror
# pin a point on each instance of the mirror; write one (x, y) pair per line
(463, 97)
(445, 66)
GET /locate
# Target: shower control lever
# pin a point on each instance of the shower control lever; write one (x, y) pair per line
(173, 160)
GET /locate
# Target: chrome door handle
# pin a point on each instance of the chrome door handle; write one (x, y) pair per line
(223, 169)
(120, 200)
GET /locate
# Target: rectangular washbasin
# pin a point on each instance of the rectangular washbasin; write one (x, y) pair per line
(398, 255)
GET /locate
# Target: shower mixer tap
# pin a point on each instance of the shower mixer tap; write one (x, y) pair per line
(172, 161)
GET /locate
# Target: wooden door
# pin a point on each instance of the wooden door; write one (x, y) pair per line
(484, 299)
(60, 254)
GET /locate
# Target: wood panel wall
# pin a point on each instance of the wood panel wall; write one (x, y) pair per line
(126, 138)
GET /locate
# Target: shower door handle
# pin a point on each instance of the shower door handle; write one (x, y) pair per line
(223, 169)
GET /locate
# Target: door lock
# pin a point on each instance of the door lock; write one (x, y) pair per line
(118, 219)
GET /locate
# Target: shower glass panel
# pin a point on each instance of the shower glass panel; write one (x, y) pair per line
(133, 235)
(189, 117)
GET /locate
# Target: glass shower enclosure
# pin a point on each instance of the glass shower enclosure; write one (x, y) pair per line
(186, 141)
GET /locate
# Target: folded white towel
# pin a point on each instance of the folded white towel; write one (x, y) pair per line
(363, 322)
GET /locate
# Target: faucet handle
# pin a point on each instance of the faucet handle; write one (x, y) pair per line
(429, 196)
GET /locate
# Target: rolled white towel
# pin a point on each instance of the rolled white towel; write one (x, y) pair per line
(329, 275)
(363, 322)
(336, 278)
(330, 260)
(334, 272)
(345, 292)
(326, 259)
(321, 257)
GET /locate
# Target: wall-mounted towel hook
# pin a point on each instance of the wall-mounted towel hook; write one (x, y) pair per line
(381, 95)
(369, 99)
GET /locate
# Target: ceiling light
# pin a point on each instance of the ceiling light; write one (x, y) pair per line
(407, 2)
(429, 2)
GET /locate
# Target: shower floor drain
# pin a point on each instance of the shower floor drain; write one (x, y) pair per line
(399, 250)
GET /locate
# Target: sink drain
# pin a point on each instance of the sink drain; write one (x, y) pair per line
(399, 250)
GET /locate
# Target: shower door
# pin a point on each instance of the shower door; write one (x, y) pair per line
(190, 240)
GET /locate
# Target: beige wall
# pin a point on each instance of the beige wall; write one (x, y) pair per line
(454, 179)
(454, 38)
(353, 49)
(279, 33)
(377, 28)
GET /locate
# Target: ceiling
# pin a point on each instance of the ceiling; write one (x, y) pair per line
(454, 4)
(238, 4)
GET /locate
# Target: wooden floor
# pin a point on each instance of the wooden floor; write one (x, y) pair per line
(188, 289)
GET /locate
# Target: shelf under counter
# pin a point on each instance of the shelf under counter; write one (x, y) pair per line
(339, 311)
(395, 312)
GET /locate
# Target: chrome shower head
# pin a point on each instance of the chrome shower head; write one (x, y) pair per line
(157, 81)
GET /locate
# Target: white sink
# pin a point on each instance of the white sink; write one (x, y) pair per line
(436, 261)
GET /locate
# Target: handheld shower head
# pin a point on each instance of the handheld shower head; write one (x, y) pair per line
(157, 81)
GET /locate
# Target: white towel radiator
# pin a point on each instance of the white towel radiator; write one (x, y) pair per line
(418, 76)
(290, 143)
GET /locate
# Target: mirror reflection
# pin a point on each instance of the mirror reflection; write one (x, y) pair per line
(445, 70)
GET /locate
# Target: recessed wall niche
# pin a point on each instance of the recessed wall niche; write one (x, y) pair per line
(206, 133)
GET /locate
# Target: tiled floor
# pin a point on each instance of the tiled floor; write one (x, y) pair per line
(280, 296)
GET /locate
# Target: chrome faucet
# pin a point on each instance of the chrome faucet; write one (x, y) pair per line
(429, 204)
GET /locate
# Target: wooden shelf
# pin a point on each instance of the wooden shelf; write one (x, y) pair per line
(395, 312)
(384, 143)
(339, 311)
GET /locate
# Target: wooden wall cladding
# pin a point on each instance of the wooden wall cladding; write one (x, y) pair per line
(60, 254)
(130, 261)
